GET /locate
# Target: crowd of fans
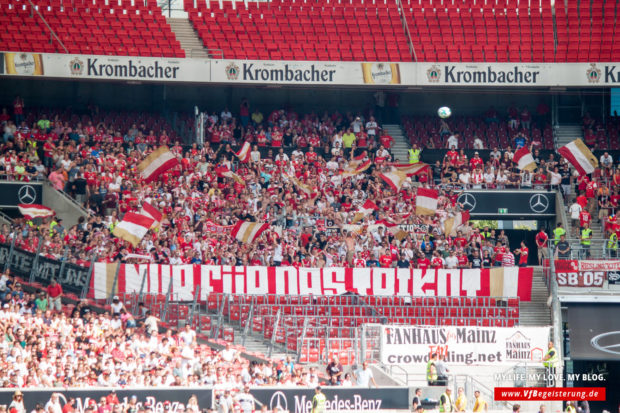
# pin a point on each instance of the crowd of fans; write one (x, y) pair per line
(79, 347)
(96, 163)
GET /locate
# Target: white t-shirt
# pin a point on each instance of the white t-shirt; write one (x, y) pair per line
(453, 142)
(452, 261)
(187, 336)
(363, 377)
(575, 210)
(371, 128)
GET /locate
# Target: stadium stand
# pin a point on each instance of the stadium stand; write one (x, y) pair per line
(127, 29)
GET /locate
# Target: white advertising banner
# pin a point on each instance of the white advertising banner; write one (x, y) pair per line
(132, 68)
(308, 72)
(305, 72)
(484, 346)
(518, 74)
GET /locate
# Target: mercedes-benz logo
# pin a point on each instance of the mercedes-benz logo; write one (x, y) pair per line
(613, 276)
(607, 342)
(467, 200)
(278, 400)
(539, 203)
(27, 194)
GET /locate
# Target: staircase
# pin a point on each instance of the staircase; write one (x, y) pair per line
(187, 36)
(536, 312)
(401, 143)
(567, 133)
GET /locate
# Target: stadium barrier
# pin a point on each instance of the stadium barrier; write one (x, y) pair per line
(295, 400)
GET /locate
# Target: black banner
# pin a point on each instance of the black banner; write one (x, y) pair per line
(155, 398)
(14, 193)
(295, 400)
(299, 400)
(506, 203)
(72, 279)
(613, 277)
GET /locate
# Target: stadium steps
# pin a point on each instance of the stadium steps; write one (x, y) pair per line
(400, 144)
(64, 206)
(567, 133)
(536, 312)
(187, 36)
(257, 344)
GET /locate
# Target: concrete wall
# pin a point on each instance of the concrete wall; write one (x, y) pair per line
(65, 208)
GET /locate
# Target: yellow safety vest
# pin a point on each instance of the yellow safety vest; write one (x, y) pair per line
(441, 408)
(585, 234)
(557, 233)
(479, 405)
(461, 403)
(429, 375)
(552, 362)
(414, 155)
(612, 244)
(52, 225)
(570, 409)
(318, 403)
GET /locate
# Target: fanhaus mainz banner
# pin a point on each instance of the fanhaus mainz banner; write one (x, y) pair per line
(412, 345)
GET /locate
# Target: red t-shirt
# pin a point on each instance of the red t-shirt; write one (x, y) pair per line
(584, 218)
(386, 260)
(423, 263)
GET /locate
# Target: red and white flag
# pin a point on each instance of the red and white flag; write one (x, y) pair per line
(30, 211)
(158, 162)
(426, 201)
(306, 189)
(524, 159)
(411, 168)
(230, 174)
(394, 179)
(578, 154)
(393, 229)
(364, 211)
(151, 212)
(451, 225)
(356, 168)
(133, 227)
(244, 152)
(247, 232)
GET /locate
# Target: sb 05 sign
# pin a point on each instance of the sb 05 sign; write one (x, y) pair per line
(581, 279)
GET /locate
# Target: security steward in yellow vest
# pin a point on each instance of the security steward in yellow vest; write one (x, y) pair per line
(612, 245)
(414, 154)
(431, 373)
(480, 405)
(318, 401)
(586, 239)
(550, 361)
(558, 232)
(445, 401)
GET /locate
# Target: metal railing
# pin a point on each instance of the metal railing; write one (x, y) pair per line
(53, 33)
(406, 28)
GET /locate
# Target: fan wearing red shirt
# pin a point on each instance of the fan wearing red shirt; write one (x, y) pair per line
(584, 218)
(460, 241)
(54, 291)
(436, 261)
(499, 254)
(523, 254)
(423, 263)
(276, 138)
(452, 157)
(311, 156)
(541, 243)
(463, 260)
(386, 140)
(385, 260)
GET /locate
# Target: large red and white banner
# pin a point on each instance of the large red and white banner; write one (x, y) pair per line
(584, 273)
(495, 282)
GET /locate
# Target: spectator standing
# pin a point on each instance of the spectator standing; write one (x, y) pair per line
(364, 376)
(563, 248)
(54, 292)
(541, 243)
(417, 399)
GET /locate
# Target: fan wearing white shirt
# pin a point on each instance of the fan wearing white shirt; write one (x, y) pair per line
(464, 177)
(478, 144)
